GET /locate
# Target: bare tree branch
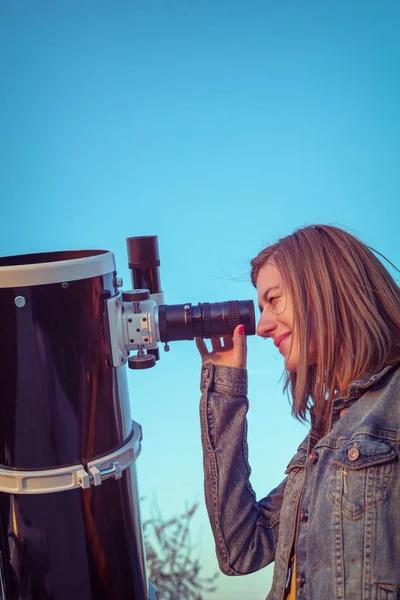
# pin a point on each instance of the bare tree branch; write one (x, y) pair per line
(171, 566)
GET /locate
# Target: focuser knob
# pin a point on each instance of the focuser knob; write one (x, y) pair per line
(141, 361)
(135, 295)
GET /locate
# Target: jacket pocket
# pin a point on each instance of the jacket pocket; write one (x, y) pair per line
(386, 592)
(362, 475)
(295, 469)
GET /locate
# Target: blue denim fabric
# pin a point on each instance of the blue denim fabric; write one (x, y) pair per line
(345, 487)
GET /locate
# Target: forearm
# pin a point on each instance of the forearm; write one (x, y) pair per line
(245, 530)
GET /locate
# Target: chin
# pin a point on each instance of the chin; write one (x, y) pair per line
(290, 365)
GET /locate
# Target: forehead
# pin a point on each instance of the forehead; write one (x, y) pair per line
(268, 277)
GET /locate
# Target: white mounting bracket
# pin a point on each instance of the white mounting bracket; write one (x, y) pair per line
(132, 327)
(74, 476)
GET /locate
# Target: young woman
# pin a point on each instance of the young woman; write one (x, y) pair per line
(333, 525)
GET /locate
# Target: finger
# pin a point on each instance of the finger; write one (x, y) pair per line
(216, 344)
(201, 346)
(240, 346)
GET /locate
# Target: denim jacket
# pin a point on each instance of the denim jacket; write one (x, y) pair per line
(340, 499)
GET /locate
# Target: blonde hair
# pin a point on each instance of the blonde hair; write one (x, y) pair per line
(338, 282)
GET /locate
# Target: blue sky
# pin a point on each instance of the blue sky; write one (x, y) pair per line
(218, 126)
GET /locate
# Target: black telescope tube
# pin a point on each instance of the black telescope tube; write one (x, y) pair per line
(144, 263)
(207, 319)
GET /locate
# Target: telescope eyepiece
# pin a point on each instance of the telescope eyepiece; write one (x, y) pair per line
(207, 319)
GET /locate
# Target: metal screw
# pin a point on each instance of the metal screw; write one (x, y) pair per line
(129, 320)
(20, 301)
(118, 282)
(186, 308)
(65, 285)
(131, 341)
(144, 319)
(166, 347)
(138, 330)
(146, 339)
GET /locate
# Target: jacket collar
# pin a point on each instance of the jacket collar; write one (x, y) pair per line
(357, 388)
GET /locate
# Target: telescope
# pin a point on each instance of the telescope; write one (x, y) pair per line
(70, 525)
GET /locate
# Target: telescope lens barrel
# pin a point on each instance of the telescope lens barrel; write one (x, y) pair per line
(207, 319)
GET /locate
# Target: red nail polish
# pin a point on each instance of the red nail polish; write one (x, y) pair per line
(241, 329)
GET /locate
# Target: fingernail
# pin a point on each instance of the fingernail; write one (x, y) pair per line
(241, 329)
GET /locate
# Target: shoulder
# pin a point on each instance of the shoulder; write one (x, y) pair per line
(379, 406)
(386, 387)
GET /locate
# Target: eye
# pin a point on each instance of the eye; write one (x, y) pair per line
(272, 303)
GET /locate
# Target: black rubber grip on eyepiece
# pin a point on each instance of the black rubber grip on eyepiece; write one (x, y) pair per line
(233, 313)
(205, 309)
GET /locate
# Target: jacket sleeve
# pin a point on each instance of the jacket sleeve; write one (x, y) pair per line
(245, 531)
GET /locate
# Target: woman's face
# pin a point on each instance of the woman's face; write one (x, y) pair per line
(276, 319)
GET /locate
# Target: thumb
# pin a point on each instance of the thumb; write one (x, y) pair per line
(240, 347)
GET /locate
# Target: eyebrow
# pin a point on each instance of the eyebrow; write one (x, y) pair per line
(267, 291)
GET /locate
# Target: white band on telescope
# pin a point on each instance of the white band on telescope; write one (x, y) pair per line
(74, 476)
(58, 271)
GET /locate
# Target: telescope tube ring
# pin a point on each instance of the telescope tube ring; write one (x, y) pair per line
(74, 476)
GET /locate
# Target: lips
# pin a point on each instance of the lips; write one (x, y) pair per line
(279, 339)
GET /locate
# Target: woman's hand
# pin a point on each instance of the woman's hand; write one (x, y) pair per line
(231, 353)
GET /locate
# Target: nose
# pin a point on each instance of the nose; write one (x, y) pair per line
(266, 324)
